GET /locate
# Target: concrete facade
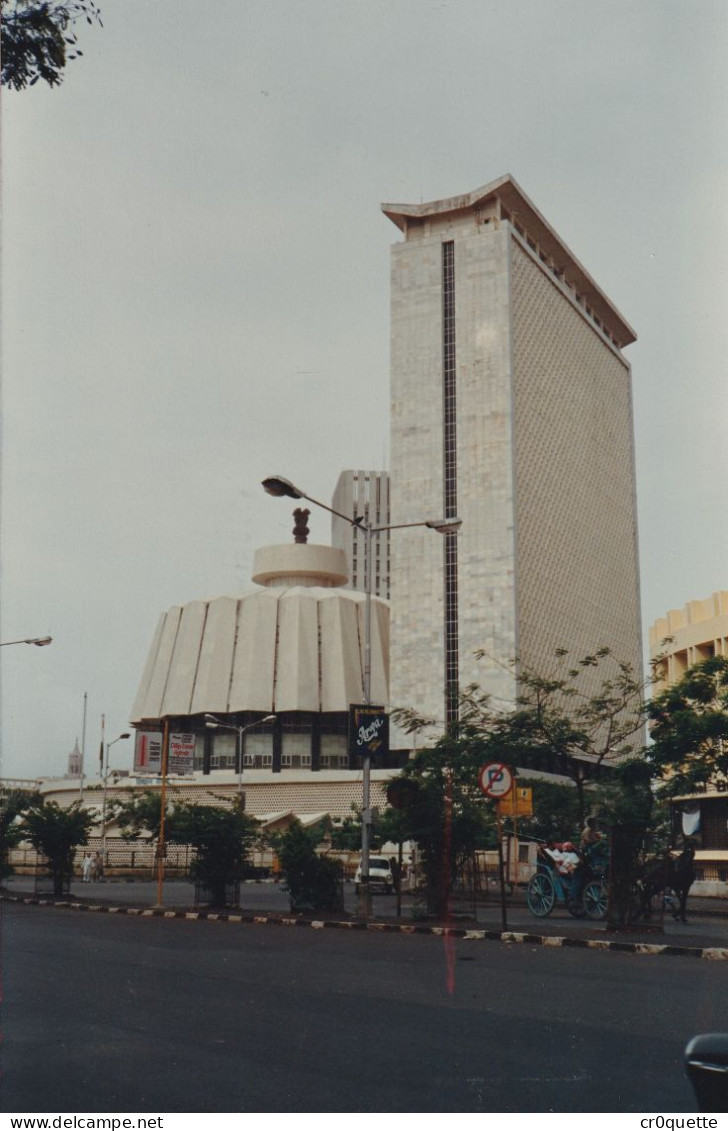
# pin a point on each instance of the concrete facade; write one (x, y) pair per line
(686, 636)
(511, 406)
(363, 493)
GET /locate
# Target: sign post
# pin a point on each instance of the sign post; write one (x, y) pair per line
(161, 846)
(496, 781)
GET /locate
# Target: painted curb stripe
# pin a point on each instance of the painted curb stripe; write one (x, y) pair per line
(519, 938)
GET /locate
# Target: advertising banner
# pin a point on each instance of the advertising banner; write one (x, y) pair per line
(181, 754)
(148, 752)
(368, 731)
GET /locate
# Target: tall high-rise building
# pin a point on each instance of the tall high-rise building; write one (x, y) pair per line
(363, 494)
(511, 407)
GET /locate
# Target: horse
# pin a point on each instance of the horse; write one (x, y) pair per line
(674, 872)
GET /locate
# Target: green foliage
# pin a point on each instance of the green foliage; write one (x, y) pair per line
(391, 828)
(56, 833)
(141, 813)
(689, 730)
(559, 724)
(222, 838)
(312, 881)
(38, 39)
(446, 815)
(13, 802)
(555, 811)
(625, 796)
(346, 837)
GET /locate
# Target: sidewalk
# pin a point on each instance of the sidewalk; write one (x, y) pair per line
(707, 925)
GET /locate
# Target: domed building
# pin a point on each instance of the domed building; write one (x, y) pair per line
(292, 648)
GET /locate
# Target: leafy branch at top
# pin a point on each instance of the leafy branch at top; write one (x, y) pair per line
(39, 38)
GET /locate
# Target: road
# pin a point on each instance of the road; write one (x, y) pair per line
(114, 1014)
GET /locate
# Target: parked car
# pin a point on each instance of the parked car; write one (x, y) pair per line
(380, 874)
(706, 1064)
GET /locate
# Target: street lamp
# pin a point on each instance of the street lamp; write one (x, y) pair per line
(214, 723)
(39, 641)
(103, 806)
(279, 487)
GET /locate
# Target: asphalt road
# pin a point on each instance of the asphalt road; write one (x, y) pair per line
(114, 1014)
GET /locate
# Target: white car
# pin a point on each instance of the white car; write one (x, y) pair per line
(380, 873)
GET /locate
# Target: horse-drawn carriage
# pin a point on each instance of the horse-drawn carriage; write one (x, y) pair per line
(658, 884)
(581, 891)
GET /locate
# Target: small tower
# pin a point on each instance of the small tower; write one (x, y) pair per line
(75, 763)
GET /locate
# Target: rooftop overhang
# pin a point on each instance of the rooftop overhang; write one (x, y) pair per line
(514, 205)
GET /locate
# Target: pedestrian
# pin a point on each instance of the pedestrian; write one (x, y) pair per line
(98, 868)
(86, 868)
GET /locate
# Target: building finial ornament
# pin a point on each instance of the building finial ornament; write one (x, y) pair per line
(300, 528)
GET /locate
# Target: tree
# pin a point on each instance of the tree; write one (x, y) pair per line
(555, 811)
(445, 813)
(346, 837)
(56, 833)
(222, 838)
(689, 730)
(38, 39)
(139, 814)
(12, 804)
(313, 882)
(560, 723)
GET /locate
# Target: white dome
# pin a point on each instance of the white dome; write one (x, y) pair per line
(279, 648)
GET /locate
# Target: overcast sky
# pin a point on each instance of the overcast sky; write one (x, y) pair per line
(196, 289)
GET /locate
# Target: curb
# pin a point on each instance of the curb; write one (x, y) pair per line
(711, 953)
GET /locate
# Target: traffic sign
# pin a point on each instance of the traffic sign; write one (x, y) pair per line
(495, 779)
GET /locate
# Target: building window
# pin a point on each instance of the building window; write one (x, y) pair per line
(223, 752)
(334, 752)
(450, 500)
(258, 751)
(296, 752)
(199, 762)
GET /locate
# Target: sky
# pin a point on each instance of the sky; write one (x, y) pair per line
(195, 290)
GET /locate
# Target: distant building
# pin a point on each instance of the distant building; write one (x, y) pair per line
(685, 637)
(365, 494)
(511, 407)
(695, 632)
(75, 762)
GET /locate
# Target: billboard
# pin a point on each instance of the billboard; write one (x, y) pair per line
(148, 752)
(368, 731)
(181, 754)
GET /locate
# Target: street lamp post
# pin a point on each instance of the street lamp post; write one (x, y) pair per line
(39, 641)
(214, 723)
(103, 804)
(279, 487)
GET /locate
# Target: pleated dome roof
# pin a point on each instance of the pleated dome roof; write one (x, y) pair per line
(296, 643)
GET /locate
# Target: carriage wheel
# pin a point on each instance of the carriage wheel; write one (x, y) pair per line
(540, 895)
(575, 907)
(595, 900)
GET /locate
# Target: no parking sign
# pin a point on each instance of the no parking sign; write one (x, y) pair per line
(495, 779)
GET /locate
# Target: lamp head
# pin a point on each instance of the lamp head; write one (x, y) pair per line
(445, 525)
(40, 641)
(270, 719)
(280, 487)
